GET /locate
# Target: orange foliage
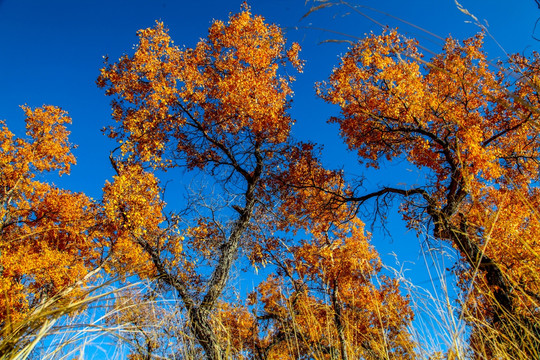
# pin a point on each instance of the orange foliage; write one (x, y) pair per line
(453, 114)
(327, 293)
(132, 208)
(227, 85)
(336, 297)
(48, 234)
(473, 129)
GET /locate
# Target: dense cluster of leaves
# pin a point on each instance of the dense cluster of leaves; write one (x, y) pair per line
(48, 235)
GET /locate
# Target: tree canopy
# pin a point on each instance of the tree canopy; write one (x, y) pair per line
(473, 128)
(220, 112)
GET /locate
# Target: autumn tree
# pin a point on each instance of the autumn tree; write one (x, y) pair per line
(49, 239)
(472, 129)
(327, 297)
(329, 300)
(219, 107)
(219, 111)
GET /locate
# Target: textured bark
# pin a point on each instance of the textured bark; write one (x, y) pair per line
(444, 229)
(339, 324)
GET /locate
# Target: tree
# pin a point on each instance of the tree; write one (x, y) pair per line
(329, 300)
(48, 234)
(51, 244)
(218, 107)
(472, 129)
(219, 110)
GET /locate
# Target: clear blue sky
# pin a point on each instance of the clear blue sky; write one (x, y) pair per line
(51, 53)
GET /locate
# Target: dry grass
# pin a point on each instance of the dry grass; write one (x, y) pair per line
(60, 330)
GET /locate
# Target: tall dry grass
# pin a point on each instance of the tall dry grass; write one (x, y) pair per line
(62, 326)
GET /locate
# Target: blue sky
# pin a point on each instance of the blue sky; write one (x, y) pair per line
(51, 53)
